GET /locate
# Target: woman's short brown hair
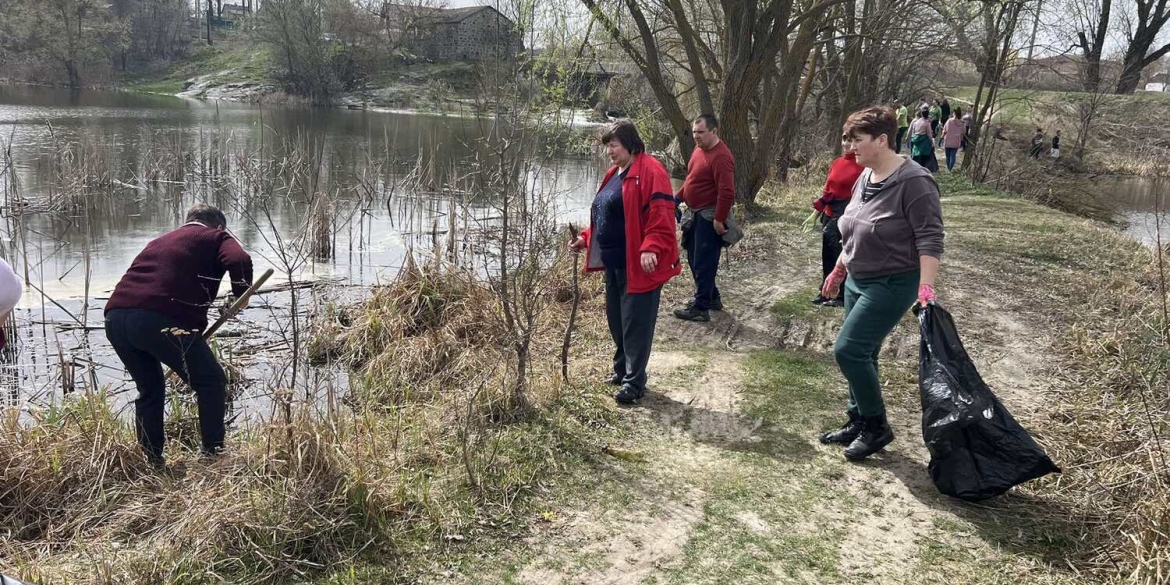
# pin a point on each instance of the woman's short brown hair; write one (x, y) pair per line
(873, 121)
(626, 133)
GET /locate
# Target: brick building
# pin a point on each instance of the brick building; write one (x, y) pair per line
(453, 34)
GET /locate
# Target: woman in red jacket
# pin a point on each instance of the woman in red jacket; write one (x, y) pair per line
(632, 238)
(835, 197)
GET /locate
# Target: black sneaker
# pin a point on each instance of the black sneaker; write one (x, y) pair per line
(819, 300)
(873, 438)
(692, 314)
(716, 305)
(845, 434)
(833, 303)
(628, 395)
(614, 380)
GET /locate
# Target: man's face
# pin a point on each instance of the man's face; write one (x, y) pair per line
(704, 137)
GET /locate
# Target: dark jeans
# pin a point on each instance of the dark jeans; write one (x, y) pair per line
(952, 154)
(703, 249)
(901, 136)
(631, 319)
(144, 341)
(873, 307)
(830, 250)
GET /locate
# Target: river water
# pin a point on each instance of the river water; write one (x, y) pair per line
(71, 253)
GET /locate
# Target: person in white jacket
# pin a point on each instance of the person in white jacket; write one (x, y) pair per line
(11, 288)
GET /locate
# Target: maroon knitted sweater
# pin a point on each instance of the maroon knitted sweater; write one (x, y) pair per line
(178, 274)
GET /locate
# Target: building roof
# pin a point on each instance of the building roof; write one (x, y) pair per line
(443, 15)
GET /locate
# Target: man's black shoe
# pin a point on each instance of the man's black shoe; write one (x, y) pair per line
(716, 305)
(833, 303)
(820, 299)
(614, 380)
(845, 434)
(692, 314)
(628, 395)
(873, 438)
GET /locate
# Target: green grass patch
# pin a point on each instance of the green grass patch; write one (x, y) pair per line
(237, 60)
(790, 389)
(797, 303)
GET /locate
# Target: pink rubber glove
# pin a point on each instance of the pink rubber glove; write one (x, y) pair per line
(925, 294)
(833, 282)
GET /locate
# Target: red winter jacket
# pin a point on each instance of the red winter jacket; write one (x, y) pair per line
(839, 186)
(648, 203)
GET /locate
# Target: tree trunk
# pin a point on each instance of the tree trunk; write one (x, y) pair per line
(1152, 16)
(74, 75)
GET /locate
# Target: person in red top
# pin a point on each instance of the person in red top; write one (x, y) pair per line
(157, 314)
(631, 237)
(838, 189)
(709, 193)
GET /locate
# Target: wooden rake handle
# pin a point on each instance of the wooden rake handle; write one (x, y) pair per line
(238, 305)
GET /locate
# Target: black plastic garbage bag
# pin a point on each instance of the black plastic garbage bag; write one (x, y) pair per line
(977, 450)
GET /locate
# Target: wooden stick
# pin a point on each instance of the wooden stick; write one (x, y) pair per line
(238, 305)
(573, 312)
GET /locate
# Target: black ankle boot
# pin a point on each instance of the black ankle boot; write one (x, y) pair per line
(873, 438)
(846, 433)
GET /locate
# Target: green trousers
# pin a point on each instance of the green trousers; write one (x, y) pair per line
(873, 307)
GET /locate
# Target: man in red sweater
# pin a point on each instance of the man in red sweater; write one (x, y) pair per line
(157, 315)
(709, 192)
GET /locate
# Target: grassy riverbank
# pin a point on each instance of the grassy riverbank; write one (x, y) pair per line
(715, 478)
(1126, 134)
(238, 68)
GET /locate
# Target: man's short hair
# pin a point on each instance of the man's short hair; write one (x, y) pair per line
(708, 120)
(206, 215)
(873, 121)
(627, 134)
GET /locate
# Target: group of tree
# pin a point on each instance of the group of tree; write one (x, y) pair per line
(783, 74)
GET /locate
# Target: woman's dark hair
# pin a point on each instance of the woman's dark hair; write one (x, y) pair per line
(924, 113)
(873, 121)
(206, 215)
(627, 134)
(958, 113)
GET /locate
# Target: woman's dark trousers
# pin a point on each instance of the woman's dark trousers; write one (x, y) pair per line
(830, 249)
(631, 319)
(145, 340)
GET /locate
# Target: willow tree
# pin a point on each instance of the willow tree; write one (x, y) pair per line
(741, 60)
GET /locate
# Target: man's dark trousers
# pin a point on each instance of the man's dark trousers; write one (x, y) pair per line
(703, 249)
(901, 136)
(631, 319)
(830, 249)
(144, 340)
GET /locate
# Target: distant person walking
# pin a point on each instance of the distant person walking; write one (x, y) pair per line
(834, 198)
(631, 238)
(903, 116)
(952, 138)
(966, 128)
(1056, 145)
(922, 141)
(1037, 143)
(892, 233)
(935, 117)
(709, 193)
(944, 114)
